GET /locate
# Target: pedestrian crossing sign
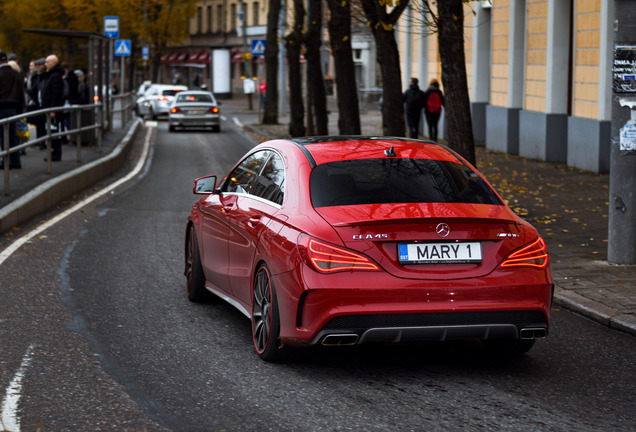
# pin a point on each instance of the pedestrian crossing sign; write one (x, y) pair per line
(258, 47)
(122, 47)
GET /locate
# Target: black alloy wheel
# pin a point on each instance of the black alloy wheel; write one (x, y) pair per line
(265, 319)
(194, 270)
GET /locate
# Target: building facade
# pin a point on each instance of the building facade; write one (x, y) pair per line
(539, 74)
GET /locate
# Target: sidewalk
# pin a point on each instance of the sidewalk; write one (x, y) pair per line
(569, 208)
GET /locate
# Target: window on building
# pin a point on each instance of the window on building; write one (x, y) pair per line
(357, 54)
(219, 19)
(233, 17)
(255, 15)
(209, 19)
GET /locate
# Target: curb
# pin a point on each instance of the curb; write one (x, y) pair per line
(54, 191)
(607, 316)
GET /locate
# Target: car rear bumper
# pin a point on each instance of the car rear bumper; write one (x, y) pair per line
(407, 328)
(408, 311)
(203, 121)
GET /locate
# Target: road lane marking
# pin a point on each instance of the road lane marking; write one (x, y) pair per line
(237, 122)
(9, 420)
(9, 250)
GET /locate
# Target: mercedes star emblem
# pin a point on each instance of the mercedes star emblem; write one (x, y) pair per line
(442, 230)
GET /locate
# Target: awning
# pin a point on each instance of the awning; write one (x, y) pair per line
(182, 57)
(164, 58)
(193, 57)
(237, 56)
(204, 57)
(172, 57)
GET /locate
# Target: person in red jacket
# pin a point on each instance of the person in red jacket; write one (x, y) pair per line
(433, 103)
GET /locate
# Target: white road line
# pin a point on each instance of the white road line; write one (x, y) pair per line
(237, 122)
(9, 420)
(6, 253)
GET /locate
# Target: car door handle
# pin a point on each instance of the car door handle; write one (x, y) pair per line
(254, 220)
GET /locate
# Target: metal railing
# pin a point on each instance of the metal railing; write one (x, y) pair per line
(120, 104)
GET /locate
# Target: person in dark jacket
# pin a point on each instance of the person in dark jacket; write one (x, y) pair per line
(52, 95)
(12, 102)
(33, 85)
(414, 102)
(433, 103)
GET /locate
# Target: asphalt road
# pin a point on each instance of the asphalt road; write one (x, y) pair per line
(97, 334)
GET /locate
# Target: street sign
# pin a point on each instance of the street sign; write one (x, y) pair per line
(122, 47)
(111, 27)
(145, 53)
(258, 47)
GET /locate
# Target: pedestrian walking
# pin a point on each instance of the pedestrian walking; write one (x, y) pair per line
(33, 83)
(83, 91)
(414, 102)
(12, 102)
(52, 95)
(434, 101)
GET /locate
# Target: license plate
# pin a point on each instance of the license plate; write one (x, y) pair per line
(436, 253)
(195, 112)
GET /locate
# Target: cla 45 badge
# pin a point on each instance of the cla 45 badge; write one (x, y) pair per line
(370, 236)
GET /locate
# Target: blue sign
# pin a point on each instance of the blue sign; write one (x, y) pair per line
(111, 27)
(258, 47)
(145, 53)
(122, 47)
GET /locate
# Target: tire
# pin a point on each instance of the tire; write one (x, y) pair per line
(508, 347)
(171, 128)
(194, 270)
(265, 318)
(152, 114)
(217, 128)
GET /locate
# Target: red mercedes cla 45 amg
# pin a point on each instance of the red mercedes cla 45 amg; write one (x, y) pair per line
(352, 240)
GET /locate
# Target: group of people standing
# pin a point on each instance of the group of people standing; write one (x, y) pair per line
(47, 84)
(416, 100)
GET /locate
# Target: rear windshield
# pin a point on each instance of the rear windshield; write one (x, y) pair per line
(384, 181)
(171, 92)
(194, 98)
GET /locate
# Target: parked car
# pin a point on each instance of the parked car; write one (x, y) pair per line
(194, 108)
(353, 240)
(140, 93)
(156, 100)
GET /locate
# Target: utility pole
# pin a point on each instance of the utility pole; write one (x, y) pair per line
(247, 54)
(622, 199)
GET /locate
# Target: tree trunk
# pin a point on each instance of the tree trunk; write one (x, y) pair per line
(393, 123)
(294, 45)
(382, 25)
(346, 88)
(270, 111)
(315, 81)
(453, 60)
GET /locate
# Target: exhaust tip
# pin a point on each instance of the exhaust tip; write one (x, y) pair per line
(533, 333)
(340, 339)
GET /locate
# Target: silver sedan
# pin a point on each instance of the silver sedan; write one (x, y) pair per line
(194, 109)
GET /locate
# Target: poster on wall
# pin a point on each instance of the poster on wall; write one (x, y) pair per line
(624, 69)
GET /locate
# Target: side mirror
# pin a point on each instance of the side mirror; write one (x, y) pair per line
(204, 185)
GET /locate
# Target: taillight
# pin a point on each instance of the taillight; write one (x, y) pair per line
(96, 98)
(163, 98)
(214, 110)
(175, 110)
(533, 255)
(327, 258)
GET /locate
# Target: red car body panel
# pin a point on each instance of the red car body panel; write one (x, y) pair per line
(236, 232)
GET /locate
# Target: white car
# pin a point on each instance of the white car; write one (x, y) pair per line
(156, 101)
(194, 108)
